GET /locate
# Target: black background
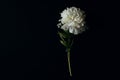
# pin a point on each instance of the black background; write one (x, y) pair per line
(30, 48)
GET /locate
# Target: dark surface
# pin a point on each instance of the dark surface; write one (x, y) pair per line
(30, 48)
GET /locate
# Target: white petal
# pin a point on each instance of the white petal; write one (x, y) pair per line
(59, 25)
(76, 31)
(71, 30)
(65, 27)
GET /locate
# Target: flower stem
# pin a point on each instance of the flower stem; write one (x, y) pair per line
(68, 55)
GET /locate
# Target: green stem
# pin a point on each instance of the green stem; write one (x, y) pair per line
(68, 55)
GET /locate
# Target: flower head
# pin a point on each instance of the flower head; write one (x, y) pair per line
(72, 20)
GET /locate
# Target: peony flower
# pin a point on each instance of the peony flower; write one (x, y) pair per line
(72, 20)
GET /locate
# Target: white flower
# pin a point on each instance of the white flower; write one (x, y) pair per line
(72, 20)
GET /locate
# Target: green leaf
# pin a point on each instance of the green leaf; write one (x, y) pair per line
(62, 35)
(63, 43)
